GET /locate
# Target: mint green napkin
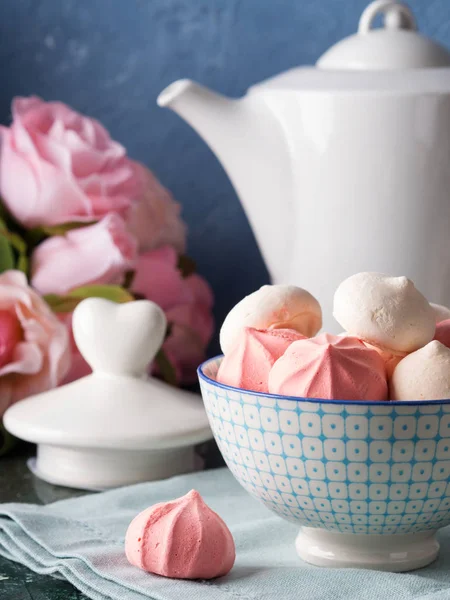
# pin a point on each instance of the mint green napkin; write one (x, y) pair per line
(82, 540)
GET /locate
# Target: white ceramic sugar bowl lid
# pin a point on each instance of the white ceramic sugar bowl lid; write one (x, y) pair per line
(117, 426)
(396, 45)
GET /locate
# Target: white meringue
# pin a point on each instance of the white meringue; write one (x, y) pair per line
(441, 313)
(422, 375)
(388, 312)
(273, 307)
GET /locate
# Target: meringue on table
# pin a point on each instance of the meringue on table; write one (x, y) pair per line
(182, 539)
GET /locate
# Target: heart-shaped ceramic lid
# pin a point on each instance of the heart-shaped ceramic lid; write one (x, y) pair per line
(118, 406)
(121, 339)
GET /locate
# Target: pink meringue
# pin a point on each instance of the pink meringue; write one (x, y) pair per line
(183, 539)
(247, 365)
(330, 367)
(442, 333)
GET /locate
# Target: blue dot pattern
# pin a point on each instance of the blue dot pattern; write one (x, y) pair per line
(342, 467)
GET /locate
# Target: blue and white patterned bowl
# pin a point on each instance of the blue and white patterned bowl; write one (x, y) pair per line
(367, 481)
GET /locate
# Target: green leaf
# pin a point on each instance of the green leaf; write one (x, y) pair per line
(9, 224)
(20, 247)
(64, 228)
(61, 304)
(115, 293)
(166, 368)
(12, 245)
(16, 242)
(22, 264)
(68, 302)
(7, 441)
(38, 234)
(186, 265)
(35, 237)
(6, 254)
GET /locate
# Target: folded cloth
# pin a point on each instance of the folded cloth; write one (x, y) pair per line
(82, 540)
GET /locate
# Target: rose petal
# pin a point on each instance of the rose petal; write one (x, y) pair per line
(200, 290)
(23, 184)
(20, 105)
(59, 166)
(42, 358)
(27, 360)
(158, 279)
(154, 218)
(35, 191)
(195, 318)
(54, 152)
(79, 368)
(185, 351)
(14, 290)
(99, 253)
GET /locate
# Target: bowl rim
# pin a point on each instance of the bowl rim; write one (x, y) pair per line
(203, 377)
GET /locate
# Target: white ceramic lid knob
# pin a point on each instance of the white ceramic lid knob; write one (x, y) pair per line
(119, 339)
(396, 45)
(396, 16)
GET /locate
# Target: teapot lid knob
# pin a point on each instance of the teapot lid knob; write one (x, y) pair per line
(396, 16)
(396, 45)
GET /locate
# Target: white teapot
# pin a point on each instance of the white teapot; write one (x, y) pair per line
(343, 167)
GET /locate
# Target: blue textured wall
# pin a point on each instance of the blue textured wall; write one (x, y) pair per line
(111, 58)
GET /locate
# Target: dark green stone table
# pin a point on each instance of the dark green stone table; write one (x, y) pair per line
(17, 484)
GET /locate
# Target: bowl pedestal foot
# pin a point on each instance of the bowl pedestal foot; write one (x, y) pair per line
(396, 553)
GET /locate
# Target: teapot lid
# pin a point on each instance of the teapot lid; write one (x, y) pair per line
(394, 60)
(396, 45)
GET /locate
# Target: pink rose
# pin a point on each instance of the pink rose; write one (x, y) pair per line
(59, 166)
(187, 304)
(99, 253)
(34, 345)
(154, 219)
(192, 329)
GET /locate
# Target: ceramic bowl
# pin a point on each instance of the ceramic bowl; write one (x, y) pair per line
(368, 482)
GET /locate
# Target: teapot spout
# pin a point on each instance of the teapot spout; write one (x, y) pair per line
(203, 109)
(238, 132)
